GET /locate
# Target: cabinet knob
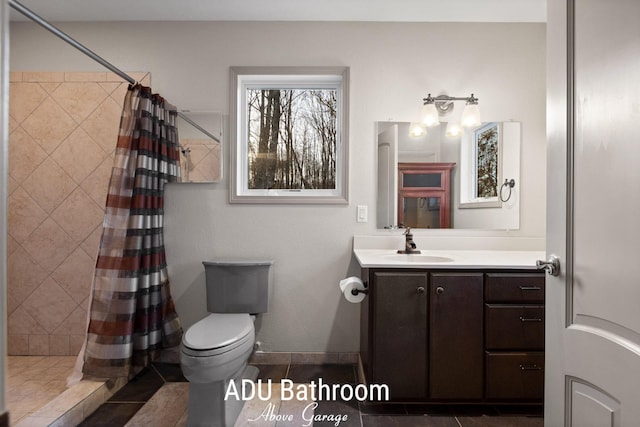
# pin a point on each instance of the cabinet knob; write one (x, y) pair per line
(420, 290)
(439, 290)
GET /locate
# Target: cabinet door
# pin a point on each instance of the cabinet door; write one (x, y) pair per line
(455, 330)
(400, 333)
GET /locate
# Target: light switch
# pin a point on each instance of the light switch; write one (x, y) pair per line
(363, 214)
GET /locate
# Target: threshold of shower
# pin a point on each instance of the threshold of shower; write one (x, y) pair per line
(30, 381)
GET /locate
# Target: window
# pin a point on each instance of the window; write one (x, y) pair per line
(289, 135)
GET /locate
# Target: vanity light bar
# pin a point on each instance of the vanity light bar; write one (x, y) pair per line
(443, 98)
(443, 104)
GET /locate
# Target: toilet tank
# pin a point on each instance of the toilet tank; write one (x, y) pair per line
(237, 286)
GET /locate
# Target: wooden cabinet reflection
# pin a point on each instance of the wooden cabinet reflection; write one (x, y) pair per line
(424, 195)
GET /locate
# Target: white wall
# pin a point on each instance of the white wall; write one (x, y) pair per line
(393, 66)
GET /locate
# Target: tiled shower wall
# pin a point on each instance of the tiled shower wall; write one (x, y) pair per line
(204, 160)
(63, 132)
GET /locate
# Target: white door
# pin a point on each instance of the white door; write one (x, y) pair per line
(593, 223)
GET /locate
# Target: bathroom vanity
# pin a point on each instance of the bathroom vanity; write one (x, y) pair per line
(454, 327)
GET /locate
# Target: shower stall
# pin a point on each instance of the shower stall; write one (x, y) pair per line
(63, 129)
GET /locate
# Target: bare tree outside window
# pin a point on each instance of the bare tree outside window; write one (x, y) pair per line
(487, 161)
(291, 138)
(289, 133)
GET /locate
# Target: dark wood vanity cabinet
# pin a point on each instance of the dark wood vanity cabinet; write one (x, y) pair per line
(514, 336)
(454, 336)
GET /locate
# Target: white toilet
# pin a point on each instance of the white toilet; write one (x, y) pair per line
(216, 349)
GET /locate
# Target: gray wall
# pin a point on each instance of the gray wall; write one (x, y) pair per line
(393, 66)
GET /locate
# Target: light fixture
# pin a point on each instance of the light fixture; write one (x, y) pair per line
(432, 108)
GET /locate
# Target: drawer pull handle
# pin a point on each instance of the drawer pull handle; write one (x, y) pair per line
(525, 319)
(530, 368)
(439, 290)
(420, 289)
(530, 288)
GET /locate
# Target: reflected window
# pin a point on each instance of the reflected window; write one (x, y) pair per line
(487, 160)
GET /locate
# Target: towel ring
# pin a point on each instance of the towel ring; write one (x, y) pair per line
(509, 183)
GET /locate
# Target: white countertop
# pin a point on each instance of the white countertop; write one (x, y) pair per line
(456, 259)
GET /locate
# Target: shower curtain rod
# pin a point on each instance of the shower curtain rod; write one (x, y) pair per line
(56, 31)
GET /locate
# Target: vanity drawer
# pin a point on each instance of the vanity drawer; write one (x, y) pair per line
(514, 287)
(511, 327)
(515, 375)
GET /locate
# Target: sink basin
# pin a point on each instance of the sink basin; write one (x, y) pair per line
(418, 258)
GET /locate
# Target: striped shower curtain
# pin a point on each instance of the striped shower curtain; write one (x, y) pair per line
(132, 316)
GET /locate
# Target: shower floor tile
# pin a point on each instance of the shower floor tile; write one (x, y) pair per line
(33, 381)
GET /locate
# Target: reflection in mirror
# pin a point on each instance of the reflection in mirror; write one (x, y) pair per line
(472, 193)
(424, 194)
(421, 212)
(201, 156)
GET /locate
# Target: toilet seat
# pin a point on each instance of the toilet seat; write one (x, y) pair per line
(217, 333)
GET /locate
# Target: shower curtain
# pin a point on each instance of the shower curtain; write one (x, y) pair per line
(132, 316)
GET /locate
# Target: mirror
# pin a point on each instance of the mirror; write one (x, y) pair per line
(436, 181)
(200, 155)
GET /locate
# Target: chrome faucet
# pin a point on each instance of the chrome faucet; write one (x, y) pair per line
(409, 244)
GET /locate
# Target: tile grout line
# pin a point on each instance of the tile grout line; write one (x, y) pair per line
(354, 371)
(286, 374)
(164, 381)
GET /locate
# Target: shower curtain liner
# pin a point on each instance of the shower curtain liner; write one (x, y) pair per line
(132, 315)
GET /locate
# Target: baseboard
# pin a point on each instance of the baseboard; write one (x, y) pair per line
(303, 358)
(4, 419)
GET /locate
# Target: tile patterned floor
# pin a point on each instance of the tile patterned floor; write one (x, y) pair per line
(158, 397)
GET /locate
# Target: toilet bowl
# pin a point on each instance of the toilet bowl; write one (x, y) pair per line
(216, 349)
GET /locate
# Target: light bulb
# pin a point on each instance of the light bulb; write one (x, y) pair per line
(417, 129)
(453, 130)
(430, 115)
(471, 116)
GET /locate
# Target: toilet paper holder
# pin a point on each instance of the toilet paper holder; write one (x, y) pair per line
(356, 291)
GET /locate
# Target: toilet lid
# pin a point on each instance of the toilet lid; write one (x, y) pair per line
(217, 330)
